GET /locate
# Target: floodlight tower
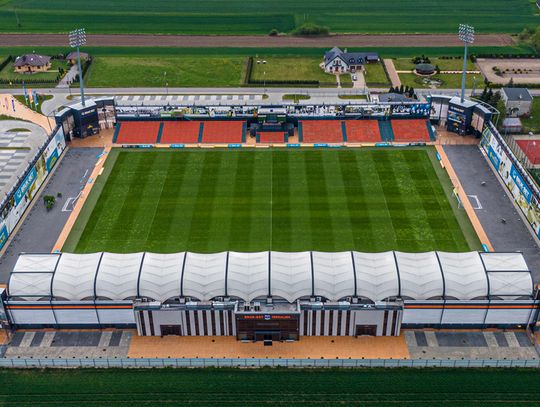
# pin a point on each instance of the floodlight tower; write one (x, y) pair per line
(77, 38)
(466, 34)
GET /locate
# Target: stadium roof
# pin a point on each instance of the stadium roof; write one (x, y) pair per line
(291, 276)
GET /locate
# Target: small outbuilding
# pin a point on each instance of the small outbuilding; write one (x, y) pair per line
(518, 101)
(32, 63)
(425, 69)
(72, 57)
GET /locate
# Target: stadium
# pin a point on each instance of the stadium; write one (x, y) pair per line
(271, 223)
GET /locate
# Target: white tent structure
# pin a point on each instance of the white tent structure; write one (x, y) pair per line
(288, 276)
(277, 294)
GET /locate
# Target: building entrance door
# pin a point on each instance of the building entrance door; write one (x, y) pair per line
(170, 330)
(267, 335)
(370, 330)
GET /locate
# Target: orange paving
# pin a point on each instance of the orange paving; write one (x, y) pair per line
(316, 347)
(3, 337)
(24, 113)
(480, 232)
(103, 139)
(80, 202)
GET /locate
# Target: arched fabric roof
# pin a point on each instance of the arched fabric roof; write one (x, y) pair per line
(376, 275)
(75, 275)
(420, 275)
(247, 275)
(204, 275)
(161, 276)
(464, 275)
(333, 275)
(291, 276)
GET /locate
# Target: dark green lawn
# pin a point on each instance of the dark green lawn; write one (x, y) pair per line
(270, 387)
(259, 17)
(286, 200)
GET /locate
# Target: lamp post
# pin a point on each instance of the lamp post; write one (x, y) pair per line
(466, 34)
(77, 38)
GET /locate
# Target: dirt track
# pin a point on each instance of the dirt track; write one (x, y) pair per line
(353, 40)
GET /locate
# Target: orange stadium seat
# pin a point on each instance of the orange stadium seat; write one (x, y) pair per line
(180, 132)
(322, 131)
(224, 132)
(366, 131)
(138, 133)
(271, 137)
(410, 130)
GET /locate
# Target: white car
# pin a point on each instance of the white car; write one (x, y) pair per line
(354, 77)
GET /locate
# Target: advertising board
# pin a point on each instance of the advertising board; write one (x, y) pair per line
(520, 188)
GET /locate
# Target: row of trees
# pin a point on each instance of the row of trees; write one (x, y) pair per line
(404, 90)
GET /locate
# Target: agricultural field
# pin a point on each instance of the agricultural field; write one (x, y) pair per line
(263, 387)
(176, 71)
(259, 17)
(287, 200)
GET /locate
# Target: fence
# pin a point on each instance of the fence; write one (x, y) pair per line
(292, 363)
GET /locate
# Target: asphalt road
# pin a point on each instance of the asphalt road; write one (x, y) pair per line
(512, 235)
(40, 229)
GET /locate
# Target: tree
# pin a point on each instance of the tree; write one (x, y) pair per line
(401, 89)
(274, 32)
(49, 201)
(510, 83)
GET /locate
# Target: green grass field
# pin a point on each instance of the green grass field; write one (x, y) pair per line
(9, 74)
(287, 200)
(375, 75)
(456, 64)
(532, 123)
(264, 387)
(259, 17)
(176, 71)
(449, 81)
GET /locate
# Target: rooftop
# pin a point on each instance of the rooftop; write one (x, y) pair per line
(517, 94)
(31, 60)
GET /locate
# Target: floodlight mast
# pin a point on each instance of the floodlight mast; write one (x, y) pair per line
(77, 38)
(466, 34)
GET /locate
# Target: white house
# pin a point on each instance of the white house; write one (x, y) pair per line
(337, 60)
(518, 101)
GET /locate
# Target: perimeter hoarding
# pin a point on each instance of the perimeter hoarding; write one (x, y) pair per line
(33, 179)
(519, 187)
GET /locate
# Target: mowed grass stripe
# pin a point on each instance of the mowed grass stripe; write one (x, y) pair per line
(419, 168)
(285, 200)
(281, 222)
(321, 226)
(164, 236)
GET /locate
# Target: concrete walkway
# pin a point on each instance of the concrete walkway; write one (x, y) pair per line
(69, 77)
(10, 106)
(392, 73)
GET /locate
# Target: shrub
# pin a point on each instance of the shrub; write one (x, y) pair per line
(49, 201)
(273, 33)
(311, 30)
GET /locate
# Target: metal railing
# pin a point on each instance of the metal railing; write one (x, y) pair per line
(290, 363)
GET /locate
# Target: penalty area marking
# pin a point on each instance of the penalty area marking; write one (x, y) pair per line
(70, 203)
(475, 202)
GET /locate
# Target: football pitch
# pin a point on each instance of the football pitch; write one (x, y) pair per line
(272, 199)
(264, 387)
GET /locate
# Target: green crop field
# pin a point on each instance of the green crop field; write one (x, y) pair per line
(172, 71)
(264, 387)
(286, 200)
(259, 17)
